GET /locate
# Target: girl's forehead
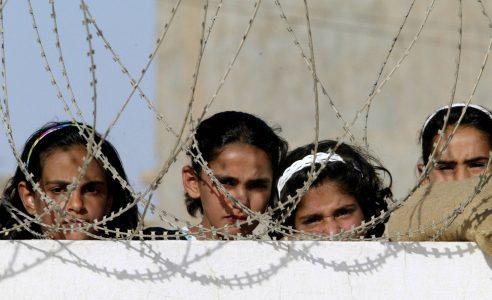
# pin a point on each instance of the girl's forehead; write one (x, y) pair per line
(235, 152)
(467, 132)
(65, 164)
(49, 152)
(328, 193)
(241, 160)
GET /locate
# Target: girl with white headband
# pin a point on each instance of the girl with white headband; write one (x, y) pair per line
(347, 191)
(467, 153)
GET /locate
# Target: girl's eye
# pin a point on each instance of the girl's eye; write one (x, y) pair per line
(312, 219)
(480, 165)
(227, 181)
(258, 185)
(90, 188)
(57, 190)
(444, 167)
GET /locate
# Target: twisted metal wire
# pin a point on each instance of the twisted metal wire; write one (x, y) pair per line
(182, 141)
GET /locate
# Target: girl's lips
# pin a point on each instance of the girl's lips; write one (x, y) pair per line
(236, 217)
(73, 221)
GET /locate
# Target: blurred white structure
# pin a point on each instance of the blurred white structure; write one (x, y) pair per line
(242, 270)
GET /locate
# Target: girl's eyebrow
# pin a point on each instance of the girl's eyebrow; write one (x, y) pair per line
(256, 180)
(476, 159)
(348, 206)
(265, 180)
(97, 182)
(60, 182)
(317, 215)
(446, 162)
(63, 182)
(310, 216)
(224, 178)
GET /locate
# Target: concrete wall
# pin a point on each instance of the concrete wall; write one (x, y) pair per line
(242, 270)
(351, 40)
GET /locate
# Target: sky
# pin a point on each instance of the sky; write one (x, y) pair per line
(129, 26)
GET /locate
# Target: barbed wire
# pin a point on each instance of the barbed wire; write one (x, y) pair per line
(187, 143)
(381, 69)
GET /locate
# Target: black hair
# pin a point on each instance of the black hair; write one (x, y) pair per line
(229, 127)
(358, 176)
(64, 136)
(473, 117)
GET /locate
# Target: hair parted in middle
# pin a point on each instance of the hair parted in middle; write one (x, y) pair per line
(229, 127)
(476, 116)
(64, 135)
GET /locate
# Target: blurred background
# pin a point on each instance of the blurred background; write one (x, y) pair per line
(130, 28)
(269, 79)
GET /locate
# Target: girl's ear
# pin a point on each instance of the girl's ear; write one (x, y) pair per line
(190, 182)
(27, 197)
(420, 167)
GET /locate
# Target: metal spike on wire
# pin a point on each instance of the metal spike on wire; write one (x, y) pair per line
(98, 229)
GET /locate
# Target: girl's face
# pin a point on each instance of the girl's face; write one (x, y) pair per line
(88, 202)
(246, 172)
(466, 155)
(328, 210)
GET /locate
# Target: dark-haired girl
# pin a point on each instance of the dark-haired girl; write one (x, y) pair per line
(54, 155)
(243, 152)
(467, 153)
(346, 192)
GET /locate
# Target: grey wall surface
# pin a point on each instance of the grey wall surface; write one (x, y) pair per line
(351, 40)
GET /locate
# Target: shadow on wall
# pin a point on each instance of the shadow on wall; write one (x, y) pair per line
(164, 261)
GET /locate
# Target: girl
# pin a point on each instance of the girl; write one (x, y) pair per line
(243, 152)
(345, 193)
(53, 155)
(467, 153)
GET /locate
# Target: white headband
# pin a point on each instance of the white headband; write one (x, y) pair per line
(479, 107)
(305, 162)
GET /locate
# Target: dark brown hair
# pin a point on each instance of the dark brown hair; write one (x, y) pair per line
(64, 138)
(228, 127)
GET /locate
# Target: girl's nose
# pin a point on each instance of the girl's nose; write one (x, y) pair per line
(462, 172)
(76, 203)
(330, 226)
(241, 194)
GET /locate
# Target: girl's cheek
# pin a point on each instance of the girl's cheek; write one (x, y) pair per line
(260, 201)
(354, 221)
(317, 228)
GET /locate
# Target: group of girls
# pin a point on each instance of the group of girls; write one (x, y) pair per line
(239, 169)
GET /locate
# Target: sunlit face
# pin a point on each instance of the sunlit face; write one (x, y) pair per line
(88, 202)
(328, 210)
(246, 172)
(466, 155)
